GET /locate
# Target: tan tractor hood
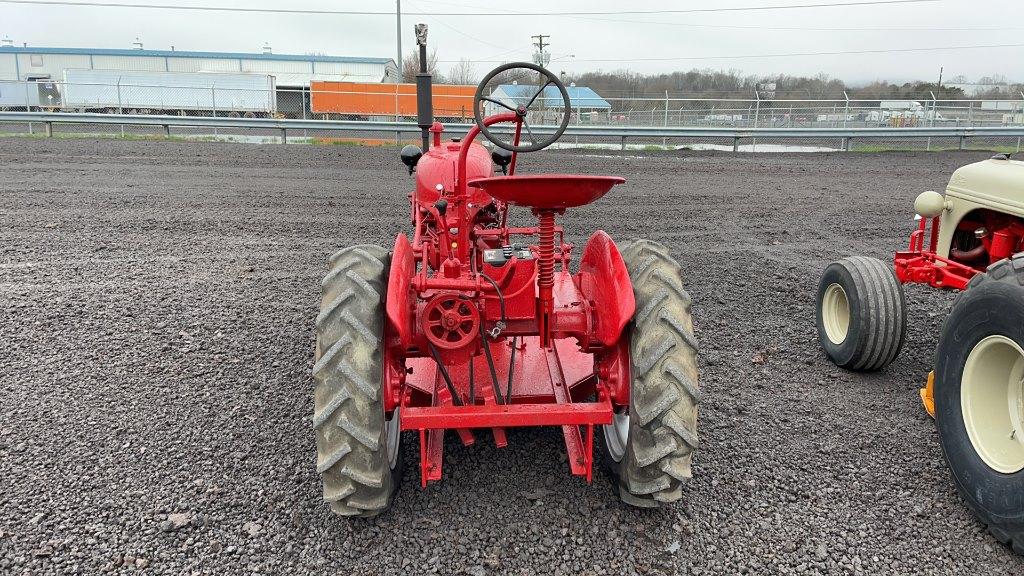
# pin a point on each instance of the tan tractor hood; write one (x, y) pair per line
(996, 184)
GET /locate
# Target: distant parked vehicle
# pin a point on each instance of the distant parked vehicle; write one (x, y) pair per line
(902, 116)
(908, 105)
(724, 117)
(836, 117)
(24, 96)
(382, 102)
(1013, 119)
(214, 93)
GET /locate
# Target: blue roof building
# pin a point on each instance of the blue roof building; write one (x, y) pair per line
(580, 97)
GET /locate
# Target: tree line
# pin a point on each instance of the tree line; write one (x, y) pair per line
(709, 83)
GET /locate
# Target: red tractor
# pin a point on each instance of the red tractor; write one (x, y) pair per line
(473, 323)
(975, 244)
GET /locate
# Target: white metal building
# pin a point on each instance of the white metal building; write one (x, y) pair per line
(289, 70)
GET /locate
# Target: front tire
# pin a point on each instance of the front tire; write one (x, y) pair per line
(649, 448)
(358, 447)
(979, 398)
(861, 313)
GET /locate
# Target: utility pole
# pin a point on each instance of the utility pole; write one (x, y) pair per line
(541, 58)
(540, 42)
(940, 78)
(398, 38)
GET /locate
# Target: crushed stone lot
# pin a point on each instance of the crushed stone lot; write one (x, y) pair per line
(157, 303)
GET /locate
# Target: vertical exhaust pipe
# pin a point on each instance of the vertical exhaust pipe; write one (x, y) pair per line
(424, 96)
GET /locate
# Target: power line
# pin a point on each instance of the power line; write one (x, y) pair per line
(786, 28)
(796, 54)
(471, 37)
(579, 15)
(812, 28)
(504, 48)
(486, 14)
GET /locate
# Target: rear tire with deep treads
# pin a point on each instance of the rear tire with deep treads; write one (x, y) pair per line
(992, 307)
(657, 451)
(358, 455)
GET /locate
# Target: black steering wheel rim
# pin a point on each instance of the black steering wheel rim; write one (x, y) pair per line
(479, 98)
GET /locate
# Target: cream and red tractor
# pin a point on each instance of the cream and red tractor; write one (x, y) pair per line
(472, 324)
(970, 239)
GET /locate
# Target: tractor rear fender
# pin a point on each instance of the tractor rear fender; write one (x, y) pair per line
(604, 281)
(398, 303)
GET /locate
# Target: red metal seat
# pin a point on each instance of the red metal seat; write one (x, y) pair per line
(547, 191)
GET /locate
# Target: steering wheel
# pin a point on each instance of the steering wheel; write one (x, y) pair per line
(521, 108)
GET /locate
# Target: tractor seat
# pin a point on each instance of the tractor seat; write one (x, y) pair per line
(547, 191)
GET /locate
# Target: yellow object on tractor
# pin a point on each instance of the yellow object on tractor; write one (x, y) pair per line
(928, 395)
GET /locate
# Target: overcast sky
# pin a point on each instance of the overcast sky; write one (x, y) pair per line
(578, 43)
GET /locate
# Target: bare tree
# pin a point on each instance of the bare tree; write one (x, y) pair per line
(462, 73)
(411, 66)
(993, 79)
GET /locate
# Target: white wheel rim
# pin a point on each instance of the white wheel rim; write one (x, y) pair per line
(992, 401)
(616, 435)
(835, 313)
(392, 434)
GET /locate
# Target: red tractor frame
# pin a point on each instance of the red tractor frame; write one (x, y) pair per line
(444, 294)
(473, 323)
(995, 236)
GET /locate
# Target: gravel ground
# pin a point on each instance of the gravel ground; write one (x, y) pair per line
(157, 304)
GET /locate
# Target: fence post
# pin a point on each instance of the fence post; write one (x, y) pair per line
(846, 144)
(757, 115)
(1022, 114)
(664, 141)
(623, 145)
(846, 109)
(49, 129)
(28, 106)
(579, 120)
(735, 143)
(213, 102)
(284, 135)
(120, 104)
(961, 146)
(167, 131)
(932, 122)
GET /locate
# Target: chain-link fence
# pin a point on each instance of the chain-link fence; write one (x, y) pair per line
(256, 96)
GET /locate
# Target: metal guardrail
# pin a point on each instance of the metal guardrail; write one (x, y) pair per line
(399, 128)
